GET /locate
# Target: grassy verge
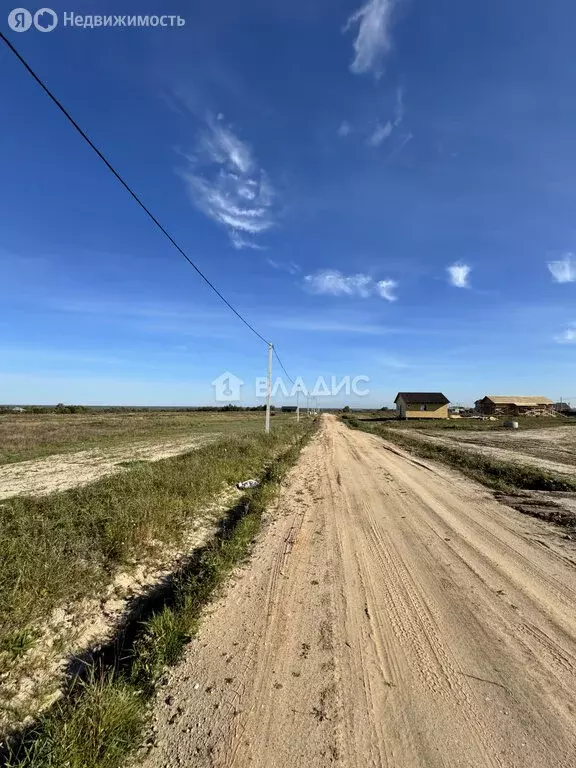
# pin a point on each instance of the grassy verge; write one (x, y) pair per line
(500, 475)
(467, 425)
(101, 722)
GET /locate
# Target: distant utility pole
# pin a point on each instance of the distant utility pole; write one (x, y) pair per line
(269, 386)
(298, 405)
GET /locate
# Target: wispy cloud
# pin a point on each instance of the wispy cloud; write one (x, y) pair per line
(124, 307)
(226, 183)
(55, 355)
(405, 139)
(399, 109)
(379, 134)
(383, 131)
(568, 336)
(239, 242)
(385, 289)
(458, 275)
(333, 283)
(150, 317)
(389, 361)
(323, 325)
(373, 41)
(563, 270)
(284, 266)
(344, 129)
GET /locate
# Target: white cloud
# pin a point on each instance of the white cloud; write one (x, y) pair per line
(226, 183)
(223, 147)
(380, 134)
(568, 336)
(284, 266)
(563, 270)
(240, 242)
(396, 151)
(383, 132)
(399, 109)
(334, 283)
(386, 289)
(458, 275)
(373, 40)
(345, 129)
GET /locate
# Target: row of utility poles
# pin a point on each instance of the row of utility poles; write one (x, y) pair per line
(312, 403)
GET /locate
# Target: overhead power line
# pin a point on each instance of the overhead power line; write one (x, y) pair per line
(282, 366)
(127, 187)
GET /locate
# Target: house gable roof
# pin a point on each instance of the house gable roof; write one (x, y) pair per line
(437, 398)
(518, 400)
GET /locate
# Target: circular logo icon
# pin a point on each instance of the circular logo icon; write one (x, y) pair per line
(45, 20)
(20, 20)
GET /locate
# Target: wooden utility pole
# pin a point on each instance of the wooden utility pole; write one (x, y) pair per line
(269, 386)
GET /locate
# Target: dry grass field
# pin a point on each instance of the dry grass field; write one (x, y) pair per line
(43, 453)
(28, 435)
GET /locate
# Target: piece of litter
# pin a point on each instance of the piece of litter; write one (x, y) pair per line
(248, 484)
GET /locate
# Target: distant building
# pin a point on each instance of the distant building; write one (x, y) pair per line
(288, 409)
(562, 407)
(421, 405)
(514, 405)
(18, 409)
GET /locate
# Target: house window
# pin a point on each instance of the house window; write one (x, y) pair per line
(423, 407)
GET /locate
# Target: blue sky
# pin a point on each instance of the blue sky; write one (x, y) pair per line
(383, 190)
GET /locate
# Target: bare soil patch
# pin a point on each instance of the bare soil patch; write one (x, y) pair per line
(553, 448)
(69, 470)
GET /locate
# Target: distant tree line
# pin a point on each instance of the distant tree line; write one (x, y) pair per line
(61, 408)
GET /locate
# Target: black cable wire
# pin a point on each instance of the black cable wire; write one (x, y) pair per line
(126, 186)
(282, 366)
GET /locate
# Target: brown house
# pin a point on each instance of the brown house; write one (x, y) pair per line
(421, 405)
(514, 405)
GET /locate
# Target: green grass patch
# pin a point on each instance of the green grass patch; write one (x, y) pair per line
(501, 475)
(16, 644)
(60, 548)
(100, 724)
(97, 731)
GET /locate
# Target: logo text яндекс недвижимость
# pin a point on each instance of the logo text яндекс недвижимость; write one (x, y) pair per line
(46, 19)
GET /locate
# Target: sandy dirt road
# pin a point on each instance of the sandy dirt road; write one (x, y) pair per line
(68, 470)
(393, 614)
